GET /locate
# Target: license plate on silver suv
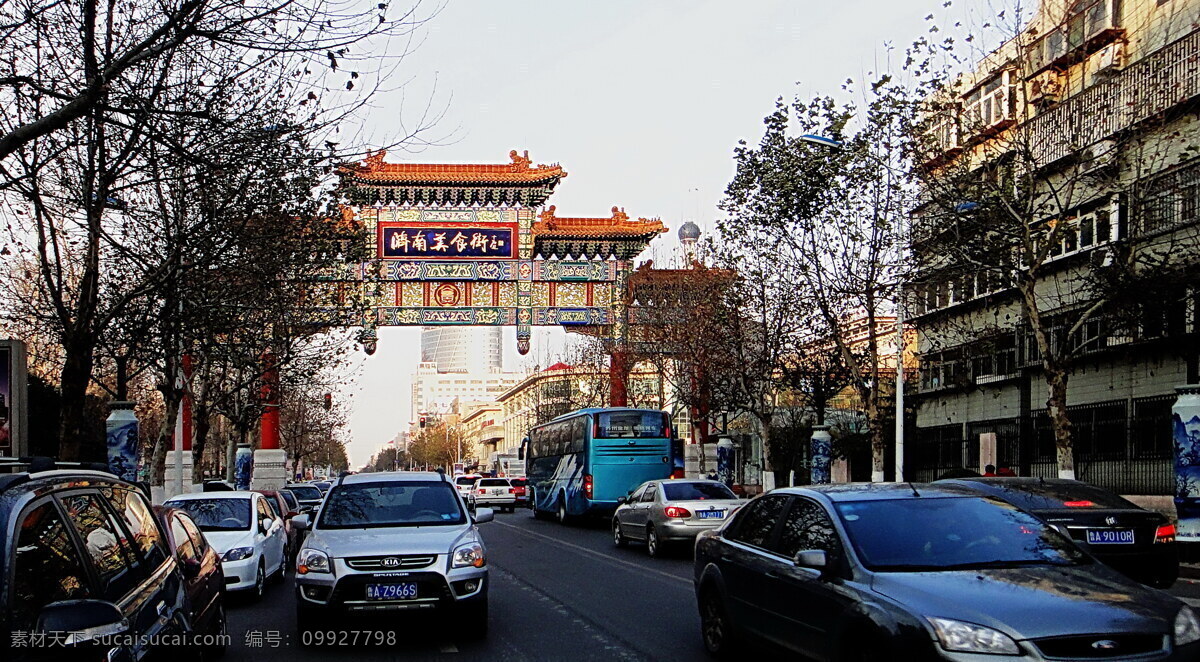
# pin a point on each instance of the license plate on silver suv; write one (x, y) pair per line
(405, 591)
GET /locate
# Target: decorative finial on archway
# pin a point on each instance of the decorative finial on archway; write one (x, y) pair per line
(520, 163)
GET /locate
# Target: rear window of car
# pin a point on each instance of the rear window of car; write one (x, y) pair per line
(1057, 496)
(465, 480)
(306, 492)
(493, 482)
(517, 482)
(696, 491)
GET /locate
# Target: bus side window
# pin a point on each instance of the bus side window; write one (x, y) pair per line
(577, 434)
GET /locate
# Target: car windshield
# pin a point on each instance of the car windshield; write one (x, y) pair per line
(306, 492)
(290, 499)
(1032, 495)
(696, 491)
(493, 482)
(951, 533)
(407, 503)
(216, 514)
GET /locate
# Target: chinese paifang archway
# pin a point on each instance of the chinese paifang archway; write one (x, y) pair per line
(475, 245)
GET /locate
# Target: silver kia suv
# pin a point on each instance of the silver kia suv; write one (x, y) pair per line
(390, 542)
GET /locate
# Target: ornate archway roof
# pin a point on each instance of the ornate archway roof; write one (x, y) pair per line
(617, 235)
(519, 182)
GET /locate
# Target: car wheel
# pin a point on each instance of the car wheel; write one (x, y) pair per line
(218, 631)
(618, 539)
(653, 544)
(720, 638)
(260, 581)
(562, 510)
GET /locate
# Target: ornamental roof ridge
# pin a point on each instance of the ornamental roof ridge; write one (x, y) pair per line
(373, 169)
(619, 224)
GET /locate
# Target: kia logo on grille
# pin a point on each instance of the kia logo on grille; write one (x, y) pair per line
(1105, 645)
(390, 562)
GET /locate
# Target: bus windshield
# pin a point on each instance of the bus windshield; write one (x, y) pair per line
(630, 424)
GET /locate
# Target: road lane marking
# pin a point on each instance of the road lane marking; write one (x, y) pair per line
(599, 555)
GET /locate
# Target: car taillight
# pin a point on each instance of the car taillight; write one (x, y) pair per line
(482, 491)
(587, 485)
(1078, 504)
(1165, 533)
(512, 490)
(676, 511)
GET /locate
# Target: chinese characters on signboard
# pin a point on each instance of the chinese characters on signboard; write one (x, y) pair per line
(447, 241)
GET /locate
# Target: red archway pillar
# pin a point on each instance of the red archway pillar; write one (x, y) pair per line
(618, 377)
(269, 421)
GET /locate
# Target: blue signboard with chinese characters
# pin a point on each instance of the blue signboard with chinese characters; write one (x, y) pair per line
(448, 240)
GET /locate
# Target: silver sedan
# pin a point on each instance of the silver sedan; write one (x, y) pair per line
(666, 512)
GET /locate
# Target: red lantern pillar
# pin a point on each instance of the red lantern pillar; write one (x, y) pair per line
(185, 418)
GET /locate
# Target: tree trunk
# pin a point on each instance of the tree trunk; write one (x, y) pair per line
(231, 453)
(164, 442)
(1060, 422)
(203, 425)
(74, 379)
(878, 442)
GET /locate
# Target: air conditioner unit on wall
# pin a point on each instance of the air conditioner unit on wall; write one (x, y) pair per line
(1110, 59)
(1045, 89)
(1098, 156)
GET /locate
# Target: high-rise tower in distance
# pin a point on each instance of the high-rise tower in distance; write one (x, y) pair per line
(462, 348)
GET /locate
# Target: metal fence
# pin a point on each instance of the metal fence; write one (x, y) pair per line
(1121, 445)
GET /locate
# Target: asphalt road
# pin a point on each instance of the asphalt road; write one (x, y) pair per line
(557, 593)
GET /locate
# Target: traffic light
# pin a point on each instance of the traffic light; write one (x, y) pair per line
(422, 422)
(328, 401)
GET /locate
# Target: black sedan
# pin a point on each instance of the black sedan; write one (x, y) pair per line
(924, 572)
(1137, 542)
(204, 581)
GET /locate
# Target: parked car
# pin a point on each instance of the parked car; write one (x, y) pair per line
(309, 496)
(83, 556)
(1137, 542)
(464, 483)
(293, 503)
(519, 490)
(423, 554)
(244, 530)
(662, 513)
(891, 571)
(321, 484)
(204, 581)
(494, 493)
(281, 509)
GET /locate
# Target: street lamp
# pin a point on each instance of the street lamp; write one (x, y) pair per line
(830, 143)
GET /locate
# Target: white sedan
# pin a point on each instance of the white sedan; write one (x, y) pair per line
(244, 531)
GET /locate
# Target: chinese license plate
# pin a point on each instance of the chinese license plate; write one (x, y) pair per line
(711, 514)
(392, 591)
(500, 491)
(1110, 536)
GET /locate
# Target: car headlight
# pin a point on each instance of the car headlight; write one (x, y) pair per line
(971, 638)
(1187, 627)
(470, 554)
(310, 560)
(238, 554)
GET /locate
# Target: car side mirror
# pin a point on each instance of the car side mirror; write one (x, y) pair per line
(484, 515)
(622, 501)
(813, 559)
(82, 620)
(301, 522)
(190, 568)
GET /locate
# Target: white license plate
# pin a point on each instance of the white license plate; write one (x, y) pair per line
(407, 591)
(1110, 536)
(497, 491)
(711, 514)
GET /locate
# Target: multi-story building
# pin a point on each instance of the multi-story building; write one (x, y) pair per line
(1086, 121)
(463, 348)
(482, 427)
(434, 393)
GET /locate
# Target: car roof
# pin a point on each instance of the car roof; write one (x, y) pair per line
(1013, 480)
(842, 492)
(392, 477)
(233, 494)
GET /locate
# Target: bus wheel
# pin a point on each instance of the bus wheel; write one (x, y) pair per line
(562, 510)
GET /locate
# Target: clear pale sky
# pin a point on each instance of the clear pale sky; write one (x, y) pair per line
(641, 101)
